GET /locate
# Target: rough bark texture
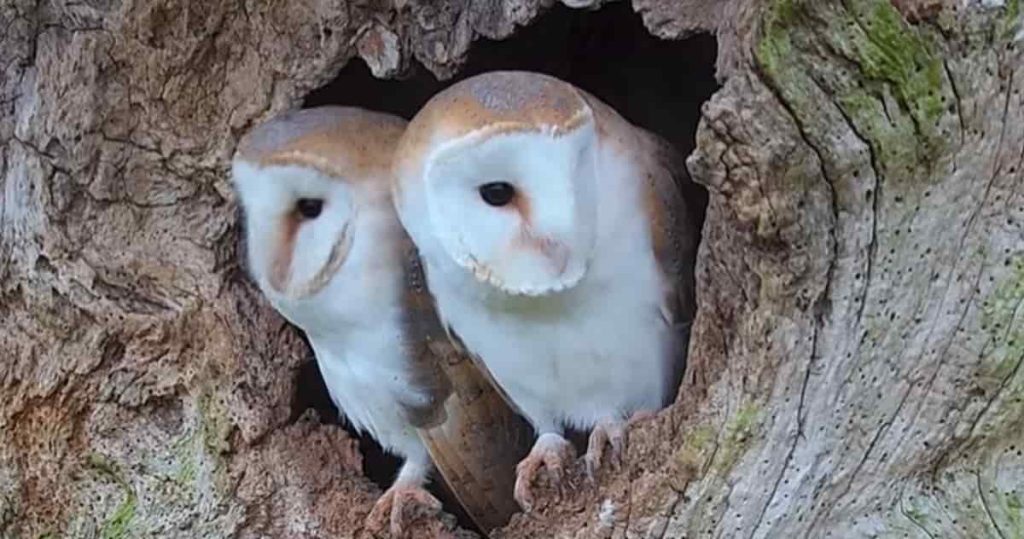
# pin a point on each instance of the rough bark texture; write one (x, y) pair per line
(855, 367)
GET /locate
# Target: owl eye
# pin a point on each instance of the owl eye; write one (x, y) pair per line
(497, 193)
(309, 208)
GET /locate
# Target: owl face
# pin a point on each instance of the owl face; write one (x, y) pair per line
(300, 225)
(305, 179)
(516, 209)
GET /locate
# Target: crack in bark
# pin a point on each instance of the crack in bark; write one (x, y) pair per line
(884, 428)
(995, 170)
(906, 515)
(824, 295)
(984, 504)
(875, 187)
(872, 248)
(943, 354)
(671, 511)
(796, 439)
(974, 288)
(1002, 385)
(956, 96)
(130, 142)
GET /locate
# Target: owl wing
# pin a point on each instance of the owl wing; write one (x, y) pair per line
(477, 447)
(673, 235)
(420, 330)
(674, 239)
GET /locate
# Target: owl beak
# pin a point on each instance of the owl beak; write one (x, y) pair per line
(557, 256)
(557, 253)
(554, 251)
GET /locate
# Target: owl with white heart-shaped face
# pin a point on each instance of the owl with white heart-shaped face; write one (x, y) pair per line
(326, 248)
(559, 249)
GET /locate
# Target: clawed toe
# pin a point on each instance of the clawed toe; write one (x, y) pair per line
(551, 452)
(400, 506)
(611, 433)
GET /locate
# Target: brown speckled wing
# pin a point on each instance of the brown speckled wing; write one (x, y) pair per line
(674, 239)
(477, 446)
(420, 329)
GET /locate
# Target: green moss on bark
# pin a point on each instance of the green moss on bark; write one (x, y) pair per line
(739, 433)
(894, 98)
(118, 524)
(1012, 21)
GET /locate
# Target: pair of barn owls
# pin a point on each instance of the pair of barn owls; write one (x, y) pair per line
(554, 241)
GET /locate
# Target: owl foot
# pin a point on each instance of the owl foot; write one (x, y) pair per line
(610, 432)
(399, 506)
(613, 433)
(550, 451)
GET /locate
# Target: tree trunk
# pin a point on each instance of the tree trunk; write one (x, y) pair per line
(855, 366)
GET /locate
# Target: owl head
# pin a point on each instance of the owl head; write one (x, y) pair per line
(306, 181)
(497, 173)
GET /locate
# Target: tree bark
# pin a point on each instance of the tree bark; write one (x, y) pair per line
(855, 365)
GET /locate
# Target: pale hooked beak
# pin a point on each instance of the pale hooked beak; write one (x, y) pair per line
(556, 253)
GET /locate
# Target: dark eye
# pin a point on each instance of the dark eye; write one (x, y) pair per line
(497, 193)
(309, 208)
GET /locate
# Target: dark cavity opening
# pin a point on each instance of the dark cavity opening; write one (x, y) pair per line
(656, 84)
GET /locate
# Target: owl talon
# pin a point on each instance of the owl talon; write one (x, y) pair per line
(595, 453)
(612, 433)
(551, 452)
(392, 511)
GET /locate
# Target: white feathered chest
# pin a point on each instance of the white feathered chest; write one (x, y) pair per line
(597, 350)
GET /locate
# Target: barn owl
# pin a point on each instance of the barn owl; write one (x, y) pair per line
(326, 248)
(557, 245)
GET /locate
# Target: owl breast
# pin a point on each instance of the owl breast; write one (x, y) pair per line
(600, 350)
(367, 384)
